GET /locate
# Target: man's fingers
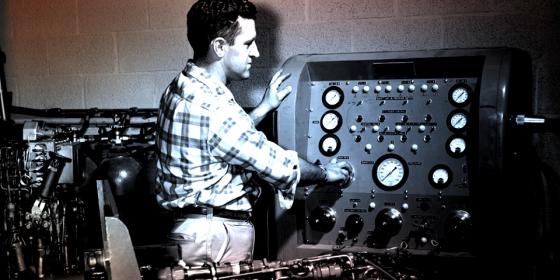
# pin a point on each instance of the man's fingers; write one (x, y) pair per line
(278, 79)
(276, 75)
(284, 92)
(284, 77)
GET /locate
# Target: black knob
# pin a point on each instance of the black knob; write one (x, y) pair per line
(458, 224)
(354, 224)
(403, 138)
(322, 219)
(389, 221)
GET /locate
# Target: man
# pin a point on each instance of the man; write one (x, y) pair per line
(209, 148)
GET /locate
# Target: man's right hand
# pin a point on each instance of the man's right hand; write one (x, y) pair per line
(339, 173)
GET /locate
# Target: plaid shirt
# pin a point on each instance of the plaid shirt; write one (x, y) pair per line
(208, 148)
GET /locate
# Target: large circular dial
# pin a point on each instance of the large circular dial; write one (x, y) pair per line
(460, 95)
(456, 146)
(390, 172)
(457, 120)
(440, 176)
(331, 121)
(333, 97)
(329, 145)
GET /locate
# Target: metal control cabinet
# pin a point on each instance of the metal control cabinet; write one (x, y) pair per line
(427, 135)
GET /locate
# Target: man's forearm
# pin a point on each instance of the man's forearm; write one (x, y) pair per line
(311, 173)
(259, 113)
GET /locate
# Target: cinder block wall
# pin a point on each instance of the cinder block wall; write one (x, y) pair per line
(122, 53)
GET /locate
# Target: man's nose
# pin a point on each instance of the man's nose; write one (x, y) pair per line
(254, 51)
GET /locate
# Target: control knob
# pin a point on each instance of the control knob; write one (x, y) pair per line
(411, 88)
(458, 223)
(458, 229)
(389, 221)
(354, 224)
(322, 219)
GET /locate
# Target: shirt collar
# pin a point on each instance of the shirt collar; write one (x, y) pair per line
(204, 77)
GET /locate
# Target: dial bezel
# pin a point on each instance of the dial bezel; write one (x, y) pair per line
(451, 153)
(338, 125)
(453, 113)
(449, 176)
(378, 182)
(334, 105)
(333, 152)
(454, 102)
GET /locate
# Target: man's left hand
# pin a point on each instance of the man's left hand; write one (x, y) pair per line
(274, 95)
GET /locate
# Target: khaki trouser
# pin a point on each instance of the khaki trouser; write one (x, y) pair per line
(206, 238)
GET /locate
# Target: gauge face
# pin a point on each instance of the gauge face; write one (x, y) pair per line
(390, 172)
(456, 146)
(329, 145)
(460, 95)
(440, 176)
(333, 97)
(457, 120)
(331, 121)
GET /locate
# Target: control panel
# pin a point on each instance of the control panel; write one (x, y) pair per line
(406, 140)
(421, 130)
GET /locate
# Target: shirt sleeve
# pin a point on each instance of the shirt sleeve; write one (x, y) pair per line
(234, 139)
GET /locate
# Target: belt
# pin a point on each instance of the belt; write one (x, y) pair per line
(218, 212)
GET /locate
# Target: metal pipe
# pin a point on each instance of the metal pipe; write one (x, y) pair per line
(3, 107)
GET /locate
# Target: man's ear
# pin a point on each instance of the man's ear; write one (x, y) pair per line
(219, 46)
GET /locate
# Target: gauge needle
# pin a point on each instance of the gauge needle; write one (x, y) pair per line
(459, 120)
(395, 168)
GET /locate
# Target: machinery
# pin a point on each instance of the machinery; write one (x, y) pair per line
(444, 182)
(437, 156)
(48, 192)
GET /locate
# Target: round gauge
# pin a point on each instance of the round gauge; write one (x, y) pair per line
(456, 146)
(333, 97)
(460, 95)
(331, 121)
(457, 120)
(329, 145)
(390, 172)
(440, 176)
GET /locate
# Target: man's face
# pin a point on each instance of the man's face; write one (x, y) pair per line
(238, 58)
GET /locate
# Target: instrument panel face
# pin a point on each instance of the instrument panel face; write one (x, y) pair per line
(407, 141)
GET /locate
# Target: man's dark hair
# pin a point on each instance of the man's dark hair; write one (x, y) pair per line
(209, 19)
